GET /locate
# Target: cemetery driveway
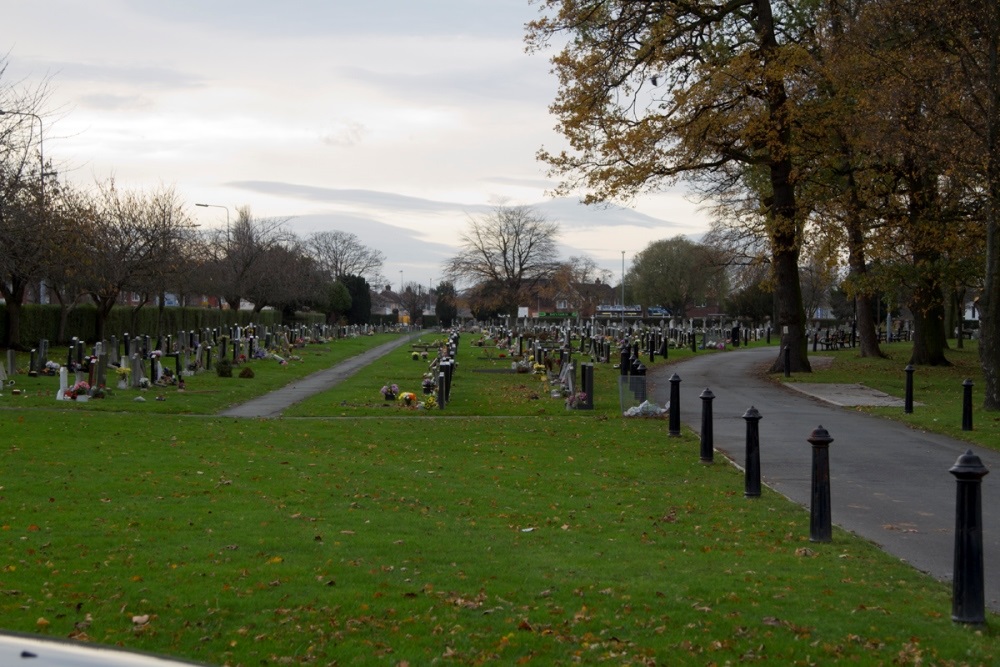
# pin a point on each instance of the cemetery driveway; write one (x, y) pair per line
(889, 483)
(271, 405)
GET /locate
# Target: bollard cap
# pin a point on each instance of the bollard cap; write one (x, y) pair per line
(752, 414)
(969, 466)
(909, 368)
(967, 383)
(707, 394)
(820, 436)
(675, 378)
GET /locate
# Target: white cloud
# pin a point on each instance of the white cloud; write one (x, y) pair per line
(399, 117)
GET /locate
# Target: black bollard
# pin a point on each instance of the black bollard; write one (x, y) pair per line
(752, 469)
(675, 405)
(908, 400)
(820, 523)
(694, 341)
(623, 360)
(707, 436)
(967, 405)
(788, 361)
(769, 335)
(815, 340)
(968, 603)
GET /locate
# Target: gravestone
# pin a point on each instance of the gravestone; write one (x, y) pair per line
(63, 383)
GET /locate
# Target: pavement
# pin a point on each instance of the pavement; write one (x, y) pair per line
(889, 482)
(272, 405)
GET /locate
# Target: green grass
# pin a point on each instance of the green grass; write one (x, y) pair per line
(393, 536)
(937, 390)
(205, 393)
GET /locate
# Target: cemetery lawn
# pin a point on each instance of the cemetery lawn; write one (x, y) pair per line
(937, 391)
(205, 393)
(358, 531)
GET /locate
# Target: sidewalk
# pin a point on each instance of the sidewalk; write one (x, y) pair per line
(272, 404)
(889, 482)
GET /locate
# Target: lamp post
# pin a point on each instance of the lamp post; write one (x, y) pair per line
(41, 149)
(227, 217)
(401, 281)
(623, 289)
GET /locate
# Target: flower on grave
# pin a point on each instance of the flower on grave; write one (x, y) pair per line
(389, 391)
(539, 368)
(123, 372)
(155, 354)
(430, 402)
(78, 389)
(415, 356)
(408, 398)
(144, 383)
(98, 391)
(423, 355)
(428, 383)
(577, 399)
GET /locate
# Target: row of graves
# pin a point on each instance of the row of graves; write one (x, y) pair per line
(558, 351)
(141, 362)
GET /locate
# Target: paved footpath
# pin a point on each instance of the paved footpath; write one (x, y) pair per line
(271, 405)
(889, 483)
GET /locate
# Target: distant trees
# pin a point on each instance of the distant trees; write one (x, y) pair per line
(675, 273)
(446, 306)
(504, 253)
(339, 253)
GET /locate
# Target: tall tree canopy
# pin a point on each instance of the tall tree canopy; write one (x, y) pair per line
(651, 91)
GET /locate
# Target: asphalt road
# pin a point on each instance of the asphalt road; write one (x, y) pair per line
(889, 482)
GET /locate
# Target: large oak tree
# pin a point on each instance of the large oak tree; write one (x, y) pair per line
(652, 91)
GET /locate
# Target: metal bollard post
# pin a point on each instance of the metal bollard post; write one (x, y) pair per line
(675, 405)
(707, 435)
(967, 405)
(752, 469)
(694, 341)
(788, 361)
(968, 604)
(820, 523)
(908, 400)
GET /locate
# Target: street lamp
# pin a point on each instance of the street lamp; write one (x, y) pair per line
(400, 281)
(623, 289)
(41, 149)
(227, 217)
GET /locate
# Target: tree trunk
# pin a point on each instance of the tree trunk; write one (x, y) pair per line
(930, 339)
(782, 213)
(989, 318)
(14, 296)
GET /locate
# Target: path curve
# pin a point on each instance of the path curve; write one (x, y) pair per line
(889, 482)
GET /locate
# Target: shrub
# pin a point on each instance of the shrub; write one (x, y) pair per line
(246, 373)
(224, 368)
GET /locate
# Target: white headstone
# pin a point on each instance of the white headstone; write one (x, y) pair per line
(63, 383)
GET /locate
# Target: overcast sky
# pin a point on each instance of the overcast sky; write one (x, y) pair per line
(396, 120)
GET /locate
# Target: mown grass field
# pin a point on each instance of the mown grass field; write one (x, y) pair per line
(358, 531)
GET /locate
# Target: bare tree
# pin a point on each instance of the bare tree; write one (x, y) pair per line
(505, 252)
(128, 241)
(24, 240)
(243, 259)
(340, 253)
